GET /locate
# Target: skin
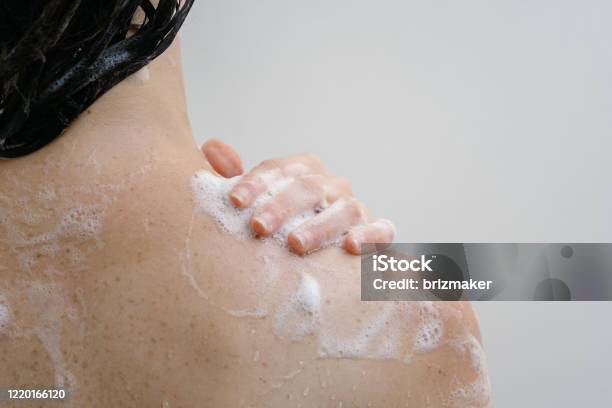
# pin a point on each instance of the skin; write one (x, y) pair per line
(137, 310)
(313, 187)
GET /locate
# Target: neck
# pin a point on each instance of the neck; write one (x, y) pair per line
(143, 118)
(145, 109)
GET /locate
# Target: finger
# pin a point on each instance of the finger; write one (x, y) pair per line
(269, 172)
(326, 226)
(254, 183)
(301, 164)
(336, 188)
(303, 194)
(379, 232)
(224, 160)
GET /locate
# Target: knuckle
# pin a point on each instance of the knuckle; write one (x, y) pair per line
(311, 183)
(295, 167)
(388, 228)
(355, 209)
(386, 223)
(343, 184)
(272, 208)
(269, 164)
(313, 160)
(259, 173)
(247, 184)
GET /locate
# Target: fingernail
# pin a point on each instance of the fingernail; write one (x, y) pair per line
(353, 245)
(263, 223)
(227, 168)
(302, 241)
(240, 196)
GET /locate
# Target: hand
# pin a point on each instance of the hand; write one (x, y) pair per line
(307, 187)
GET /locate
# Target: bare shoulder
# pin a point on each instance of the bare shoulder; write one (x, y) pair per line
(123, 273)
(306, 336)
(415, 353)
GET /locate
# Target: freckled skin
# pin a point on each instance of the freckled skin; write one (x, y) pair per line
(133, 330)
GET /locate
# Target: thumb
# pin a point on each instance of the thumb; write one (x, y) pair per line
(224, 160)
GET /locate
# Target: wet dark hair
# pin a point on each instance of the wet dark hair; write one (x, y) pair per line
(58, 56)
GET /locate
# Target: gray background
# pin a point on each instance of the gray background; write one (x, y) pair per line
(460, 121)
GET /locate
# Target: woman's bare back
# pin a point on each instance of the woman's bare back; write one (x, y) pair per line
(121, 284)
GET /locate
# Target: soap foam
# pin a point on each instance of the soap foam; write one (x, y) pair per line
(478, 391)
(299, 317)
(75, 225)
(429, 334)
(58, 224)
(5, 313)
(386, 335)
(373, 340)
(212, 196)
(71, 387)
(80, 222)
(143, 74)
(430, 329)
(47, 301)
(83, 222)
(471, 348)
